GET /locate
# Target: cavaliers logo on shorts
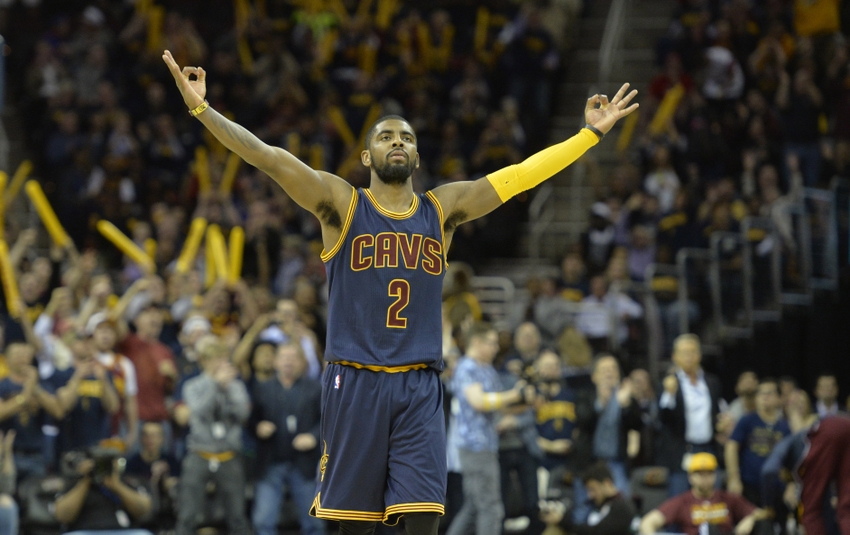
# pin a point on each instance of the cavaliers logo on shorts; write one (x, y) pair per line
(323, 463)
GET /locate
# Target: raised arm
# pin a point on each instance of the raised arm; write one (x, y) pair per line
(465, 201)
(311, 189)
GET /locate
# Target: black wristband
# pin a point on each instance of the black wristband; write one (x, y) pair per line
(595, 130)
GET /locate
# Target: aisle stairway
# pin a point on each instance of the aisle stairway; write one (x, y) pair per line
(569, 194)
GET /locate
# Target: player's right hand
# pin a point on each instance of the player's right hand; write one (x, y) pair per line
(193, 91)
(671, 385)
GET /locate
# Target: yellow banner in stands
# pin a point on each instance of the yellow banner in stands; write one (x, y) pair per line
(666, 109)
(190, 247)
(46, 213)
(10, 285)
(126, 246)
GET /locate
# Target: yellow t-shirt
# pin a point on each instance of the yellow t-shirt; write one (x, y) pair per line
(4, 369)
(814, 17)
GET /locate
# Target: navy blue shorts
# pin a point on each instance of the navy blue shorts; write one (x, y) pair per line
(383, 445)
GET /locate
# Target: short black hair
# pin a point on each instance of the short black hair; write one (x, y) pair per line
(262, 343)
(597, 472)
(771, 380)
(788, 379)
(367, 142)
(480, 329)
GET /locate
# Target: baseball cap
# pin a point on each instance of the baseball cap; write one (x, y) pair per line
(96, 319)
(600, 209)
(702, 462)
(196, 322)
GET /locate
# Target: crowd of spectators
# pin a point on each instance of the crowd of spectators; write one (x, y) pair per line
(207, 387)
(746, 110)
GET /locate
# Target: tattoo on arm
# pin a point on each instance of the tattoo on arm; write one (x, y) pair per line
(235, 132)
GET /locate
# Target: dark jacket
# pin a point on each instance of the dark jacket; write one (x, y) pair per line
(587, 418)
(615, 517)
(672, 445)
(299, 406)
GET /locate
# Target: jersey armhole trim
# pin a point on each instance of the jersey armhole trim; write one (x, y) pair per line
(352, 206)
(439, 207)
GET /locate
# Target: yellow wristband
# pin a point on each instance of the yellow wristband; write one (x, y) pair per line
(200, 109)
(493, 401)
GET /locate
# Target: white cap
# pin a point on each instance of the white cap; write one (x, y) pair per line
(194, 323)
(602, 210)
(93, 16)
(96, 319)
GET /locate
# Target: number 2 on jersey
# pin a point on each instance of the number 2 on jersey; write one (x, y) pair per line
(400, 289)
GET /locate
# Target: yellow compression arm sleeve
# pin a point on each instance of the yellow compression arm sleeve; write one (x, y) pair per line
(523, 176)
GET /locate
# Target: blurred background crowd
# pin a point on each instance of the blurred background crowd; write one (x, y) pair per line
(204, 380)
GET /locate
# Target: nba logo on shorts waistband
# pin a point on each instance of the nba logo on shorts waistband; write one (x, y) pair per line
(336, 382)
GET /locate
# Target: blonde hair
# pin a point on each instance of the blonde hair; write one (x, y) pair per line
(687, 337)
(210, 347)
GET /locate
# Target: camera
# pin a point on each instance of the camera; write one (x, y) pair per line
(104, 462)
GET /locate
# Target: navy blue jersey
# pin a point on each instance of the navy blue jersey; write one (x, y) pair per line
(385, 278)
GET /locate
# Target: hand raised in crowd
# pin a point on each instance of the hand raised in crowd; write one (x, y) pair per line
(224, 374)
(624, 393)
(59, 297)
(734, 485)
(671, 385)
(158, 470)
(265, 429)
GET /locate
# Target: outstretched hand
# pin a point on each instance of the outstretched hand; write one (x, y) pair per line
(193, 91)
(604, 116)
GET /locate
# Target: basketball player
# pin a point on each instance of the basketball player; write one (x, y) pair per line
(383, 439)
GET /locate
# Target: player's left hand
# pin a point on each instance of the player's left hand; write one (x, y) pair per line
(604, 117)
(745, 526)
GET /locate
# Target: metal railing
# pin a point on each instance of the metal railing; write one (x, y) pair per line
(729, 282)
(821, 210)
(763, 251)
(495, 295)
(611, 39)
(747, 277)
(796, 283)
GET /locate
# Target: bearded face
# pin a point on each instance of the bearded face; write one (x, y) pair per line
(394, 169)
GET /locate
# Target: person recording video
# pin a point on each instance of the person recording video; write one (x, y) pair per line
(101, 499)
